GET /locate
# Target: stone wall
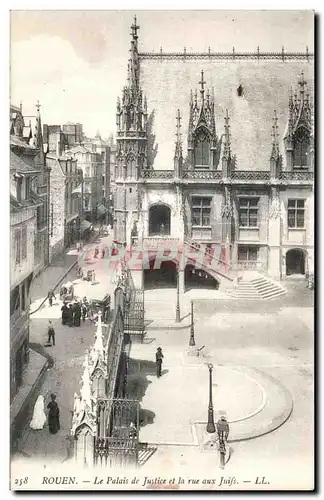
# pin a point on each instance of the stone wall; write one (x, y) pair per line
(57, 209)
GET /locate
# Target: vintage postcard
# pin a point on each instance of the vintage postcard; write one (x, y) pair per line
(162, 250)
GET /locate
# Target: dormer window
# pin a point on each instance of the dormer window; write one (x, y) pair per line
(202, 149)
(301, 146)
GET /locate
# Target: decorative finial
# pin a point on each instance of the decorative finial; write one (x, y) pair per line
(38, 106)
(202, 83)
(302, 82)
(274, 135)
(178, 125)
(134, 29)
(20, 106)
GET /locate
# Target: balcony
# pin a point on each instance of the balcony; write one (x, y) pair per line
(296, 176)
(250, 175)
(250, 265)
(157, 241)
(157, 174)
(202, 174)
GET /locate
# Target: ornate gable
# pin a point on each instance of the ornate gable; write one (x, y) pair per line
(299, 134)
(202, 138)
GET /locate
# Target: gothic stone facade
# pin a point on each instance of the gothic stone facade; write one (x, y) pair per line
(218, 149)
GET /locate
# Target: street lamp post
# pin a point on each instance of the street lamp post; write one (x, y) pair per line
(192, 342)
(210, 424)
(178, 297)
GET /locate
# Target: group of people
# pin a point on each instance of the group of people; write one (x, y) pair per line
(72, 313)
(39, 417)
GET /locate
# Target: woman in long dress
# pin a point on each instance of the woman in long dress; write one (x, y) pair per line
(53, 415)
(39, 417)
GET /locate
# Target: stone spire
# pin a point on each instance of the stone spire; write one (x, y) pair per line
(86, 383)
(227, 136)
(37, 140)
(202, 85)
(226, 148)
(98, 345)
(178, 158)
(274, 135)
(133, 68)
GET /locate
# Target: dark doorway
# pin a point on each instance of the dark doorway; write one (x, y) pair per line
(295, 262)
(19, 367)
(197, 278)
(165, 277)
(159, 220)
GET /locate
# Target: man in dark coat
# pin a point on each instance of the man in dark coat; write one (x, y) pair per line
(77, 315)
(51, 297)
(65, 314)
(222, 428)
(70, 315)
(51, 333)
(53, 415)
(158, 361)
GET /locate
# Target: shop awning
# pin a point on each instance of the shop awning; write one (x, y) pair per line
(85, 225)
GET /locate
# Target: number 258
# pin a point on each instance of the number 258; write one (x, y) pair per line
(21, 481)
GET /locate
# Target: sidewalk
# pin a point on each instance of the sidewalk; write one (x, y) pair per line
(63, 379)
(49, 277)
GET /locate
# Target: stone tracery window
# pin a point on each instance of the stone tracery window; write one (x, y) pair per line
(202, 149)
(301, 148)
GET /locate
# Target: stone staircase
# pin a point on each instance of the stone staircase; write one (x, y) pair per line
(258, 287)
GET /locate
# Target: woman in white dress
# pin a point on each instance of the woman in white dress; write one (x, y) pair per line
(39, 416)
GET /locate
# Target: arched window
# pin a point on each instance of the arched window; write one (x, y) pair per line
(202, 149)
(301, 148)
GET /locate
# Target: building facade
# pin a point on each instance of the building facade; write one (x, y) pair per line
(24, 209)
(218, 150)
(92, 165)
(65, 206)
(28, 129)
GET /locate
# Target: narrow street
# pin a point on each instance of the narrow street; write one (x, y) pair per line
(64, 373)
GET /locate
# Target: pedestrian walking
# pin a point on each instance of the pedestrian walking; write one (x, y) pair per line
(77, 315)
(158, 361)
(70, 315)
(222, 428)
(39, 418)
(65, 313)
(103, 252)
(50, 297)
(96, 252)
(84, 312)
(53, 415)
(51, 333)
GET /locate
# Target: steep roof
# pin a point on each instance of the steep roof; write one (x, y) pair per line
(15, 141)
(265, 87)
(19, 165)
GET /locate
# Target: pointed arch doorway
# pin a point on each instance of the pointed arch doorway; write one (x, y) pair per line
(159, 220)
(295, 261)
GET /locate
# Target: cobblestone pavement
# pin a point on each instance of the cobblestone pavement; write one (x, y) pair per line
(63, 380)
(274, 337)
(64, 377)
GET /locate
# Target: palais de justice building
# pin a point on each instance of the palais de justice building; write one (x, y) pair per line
(218, 149)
